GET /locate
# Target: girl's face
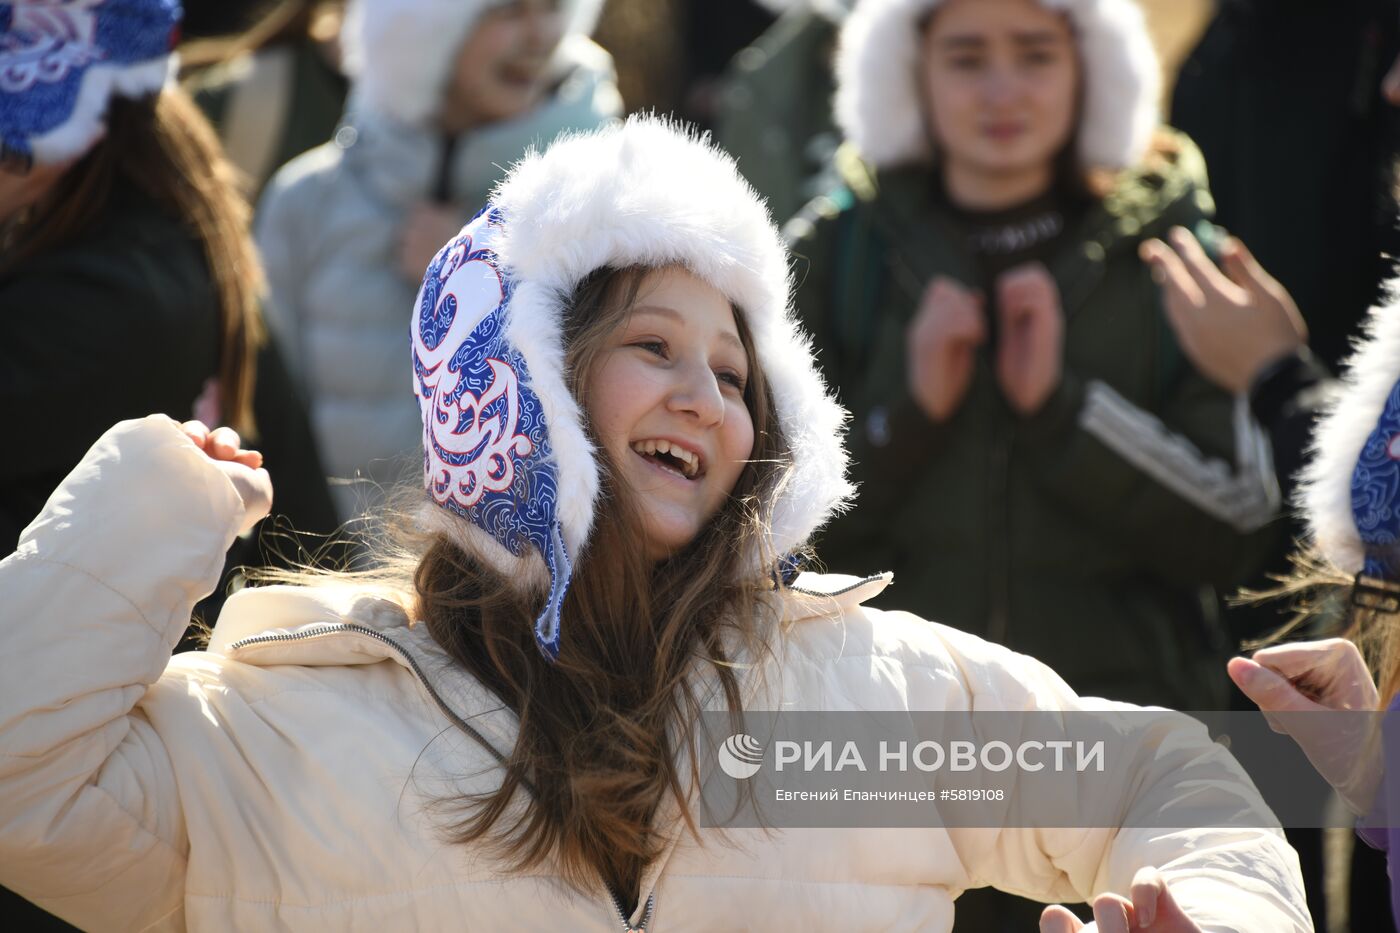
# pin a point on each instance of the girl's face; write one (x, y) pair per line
(666, 401)
(1001, 84)
(503, 68)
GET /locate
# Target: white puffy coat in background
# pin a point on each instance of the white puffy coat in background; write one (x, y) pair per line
(328, 230)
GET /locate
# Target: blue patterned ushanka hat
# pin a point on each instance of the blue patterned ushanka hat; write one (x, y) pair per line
(510, 472)
(1351, 487)
(487, 456)
(61, 61)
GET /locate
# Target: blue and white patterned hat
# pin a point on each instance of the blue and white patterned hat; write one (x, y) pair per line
(1350, 489)
(61, 61)
(510, 471)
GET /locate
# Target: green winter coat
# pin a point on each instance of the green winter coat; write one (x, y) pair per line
(1086, 535)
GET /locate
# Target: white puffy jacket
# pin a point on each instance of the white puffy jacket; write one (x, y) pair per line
(284, 778)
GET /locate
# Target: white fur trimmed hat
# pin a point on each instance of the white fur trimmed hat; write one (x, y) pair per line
(399, 53)
(61, 63)
(504, 440)
(1350, 489)
(879, 107)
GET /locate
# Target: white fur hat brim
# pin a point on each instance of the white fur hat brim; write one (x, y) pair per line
(880, 109)
(88, 121)
(1325, 494)
(648, 193)
(400, 53)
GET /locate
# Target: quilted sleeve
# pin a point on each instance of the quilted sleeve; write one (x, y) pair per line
(91, 605)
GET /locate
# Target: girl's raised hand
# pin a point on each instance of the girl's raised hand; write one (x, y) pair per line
(242, 467)
(1030, 350)
(1231, 324)
(1151, 907)
(942, 342)
(1319, 677)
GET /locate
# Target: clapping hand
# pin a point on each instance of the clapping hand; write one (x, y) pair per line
(1030, 350)
(1230, 324)
(942, 342)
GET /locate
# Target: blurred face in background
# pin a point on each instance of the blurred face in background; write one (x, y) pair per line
(1001, 89)
(502, 70)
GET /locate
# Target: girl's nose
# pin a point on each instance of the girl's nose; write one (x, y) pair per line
(697, 392)
(999, 86)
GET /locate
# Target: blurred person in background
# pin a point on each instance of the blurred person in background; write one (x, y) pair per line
(445, 94)
(128, 277)
(1038, 461)
(1299, 127)
(1037, 454)
(273, 89)
(774, 110)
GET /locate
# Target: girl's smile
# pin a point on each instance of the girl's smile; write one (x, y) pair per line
(667, 404)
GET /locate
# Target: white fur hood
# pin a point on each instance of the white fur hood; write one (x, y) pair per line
(649, 193)
(399, 52)
(879, 108)
(1325, 493)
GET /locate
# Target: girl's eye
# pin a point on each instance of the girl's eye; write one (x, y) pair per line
(655, 347)
(965, 63)
(1038, 59)
(733, 378)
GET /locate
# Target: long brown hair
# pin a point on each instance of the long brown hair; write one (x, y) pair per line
(600, 730)
(1323, 601)
(163, 146)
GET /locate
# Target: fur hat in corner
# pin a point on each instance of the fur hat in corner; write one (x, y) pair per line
(62, 63)
(879, 107)
(506, 456)
(399, 53)
(1350, 489)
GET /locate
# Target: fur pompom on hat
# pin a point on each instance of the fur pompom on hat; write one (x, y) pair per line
(505, 446)
(400, 53)
(1350, 489)
(879, 106)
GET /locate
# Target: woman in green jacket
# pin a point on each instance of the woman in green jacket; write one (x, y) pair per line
(1040, 465)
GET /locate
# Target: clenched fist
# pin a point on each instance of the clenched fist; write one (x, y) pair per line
(942, 342)
(242, 467)
(1030, 351)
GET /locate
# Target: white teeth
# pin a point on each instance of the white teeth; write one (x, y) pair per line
(690, 462)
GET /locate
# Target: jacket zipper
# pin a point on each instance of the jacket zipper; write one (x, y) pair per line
(343, 627)
(999, 524)
(622, 912)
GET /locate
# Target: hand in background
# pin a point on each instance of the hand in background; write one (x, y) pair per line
(1151, 907)
(1390, 85)
(1232, 324)
(242, 467)
(426, 227)
(1030, 350)
(1313, 677)
(941, 342)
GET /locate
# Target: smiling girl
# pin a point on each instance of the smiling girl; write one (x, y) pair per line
(624, 439)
